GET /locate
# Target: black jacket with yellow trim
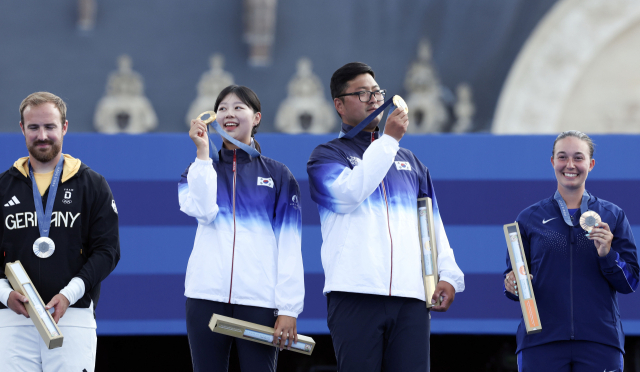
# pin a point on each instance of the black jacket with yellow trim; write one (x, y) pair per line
(84, 228)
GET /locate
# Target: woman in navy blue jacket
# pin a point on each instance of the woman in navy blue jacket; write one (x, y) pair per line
(246, 261)
(576, 275)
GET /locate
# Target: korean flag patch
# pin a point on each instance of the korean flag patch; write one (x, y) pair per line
(403, 165)
(265, 182)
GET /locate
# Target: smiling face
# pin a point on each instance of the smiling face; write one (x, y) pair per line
(351, 109)
(43, 131)
(237, 119)
(572, 163)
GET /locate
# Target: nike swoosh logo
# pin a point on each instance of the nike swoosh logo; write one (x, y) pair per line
(545, 221)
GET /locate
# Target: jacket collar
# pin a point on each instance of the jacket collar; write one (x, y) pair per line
(556, 206)
(592, 199)
(226, 156)
(362, 137)
(70, 168)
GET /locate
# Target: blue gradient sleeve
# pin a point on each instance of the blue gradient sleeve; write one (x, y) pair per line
(320, 177)
(339, 188)
(288, 229)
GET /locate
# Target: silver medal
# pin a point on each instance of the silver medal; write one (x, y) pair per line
(44, 247)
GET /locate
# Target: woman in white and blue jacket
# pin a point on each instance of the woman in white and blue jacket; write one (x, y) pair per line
(576, 275)
(246, 261)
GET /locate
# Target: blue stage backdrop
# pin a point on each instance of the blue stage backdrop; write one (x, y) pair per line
(481, 181)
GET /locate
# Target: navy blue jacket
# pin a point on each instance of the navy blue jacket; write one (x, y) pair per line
(576, 290)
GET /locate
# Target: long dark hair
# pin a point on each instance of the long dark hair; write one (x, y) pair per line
(249, 98)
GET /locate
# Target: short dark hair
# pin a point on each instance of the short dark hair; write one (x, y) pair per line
(248, 97)
(346, 73)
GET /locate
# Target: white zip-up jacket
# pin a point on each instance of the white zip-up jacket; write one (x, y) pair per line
(367, 194)
(247, 246)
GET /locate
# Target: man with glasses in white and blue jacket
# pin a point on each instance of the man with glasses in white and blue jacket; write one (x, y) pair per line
(366, 188)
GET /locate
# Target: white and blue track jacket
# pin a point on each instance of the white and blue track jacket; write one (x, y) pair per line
(247, 246)
(367, 190)
(576, 290)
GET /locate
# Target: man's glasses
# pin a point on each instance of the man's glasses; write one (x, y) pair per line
(365, 96)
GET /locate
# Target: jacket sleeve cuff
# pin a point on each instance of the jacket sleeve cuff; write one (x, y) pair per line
(74, 290)
(391, 140)
(200, 161)
(610, 261)
(5, 291)
(456, 286)
(287, 313)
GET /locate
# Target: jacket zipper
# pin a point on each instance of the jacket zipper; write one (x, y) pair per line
(571, 277)
(386, 202)
(234, 223)
(384, 191)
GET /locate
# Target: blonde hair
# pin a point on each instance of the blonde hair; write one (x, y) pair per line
(38, 98)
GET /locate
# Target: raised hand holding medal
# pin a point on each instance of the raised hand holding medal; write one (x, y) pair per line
(397, 119)
(209, 118)
(198, 134)
(598, 231)
(590, 221)
(395, 125)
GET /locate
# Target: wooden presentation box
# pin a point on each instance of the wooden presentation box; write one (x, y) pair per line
(523, 281)
(256, 333)
(41, 318)
(428, 248)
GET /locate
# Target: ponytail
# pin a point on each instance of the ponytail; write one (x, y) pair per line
(256, 144)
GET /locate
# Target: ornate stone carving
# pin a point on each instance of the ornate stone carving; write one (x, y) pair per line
(260, 29)
(577, 70)
(305, 108)
(464, 109)
(211, 84)
(427, 112)
(86, 14)
(124, 108)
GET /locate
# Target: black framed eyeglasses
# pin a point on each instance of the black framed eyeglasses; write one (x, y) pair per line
(365, 96)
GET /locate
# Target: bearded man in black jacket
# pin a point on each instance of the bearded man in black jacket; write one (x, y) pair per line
(66, 262)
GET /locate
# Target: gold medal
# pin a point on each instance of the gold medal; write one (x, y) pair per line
(589, 219)
(211, 118)
(400, 103)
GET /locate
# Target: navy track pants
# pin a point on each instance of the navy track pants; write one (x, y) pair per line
(370, 331)
(571, 356)
(210, 350)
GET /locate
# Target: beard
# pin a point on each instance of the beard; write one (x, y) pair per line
(45, 156)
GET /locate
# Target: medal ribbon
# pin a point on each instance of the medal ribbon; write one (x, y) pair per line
(44, 217)
(213, 151)
(352, 133)
(565, 210)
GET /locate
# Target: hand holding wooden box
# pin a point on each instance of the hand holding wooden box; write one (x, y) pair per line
(41, 318)
(523, 280)
(256, 333)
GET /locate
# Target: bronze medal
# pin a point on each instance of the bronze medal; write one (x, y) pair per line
(589, 219)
